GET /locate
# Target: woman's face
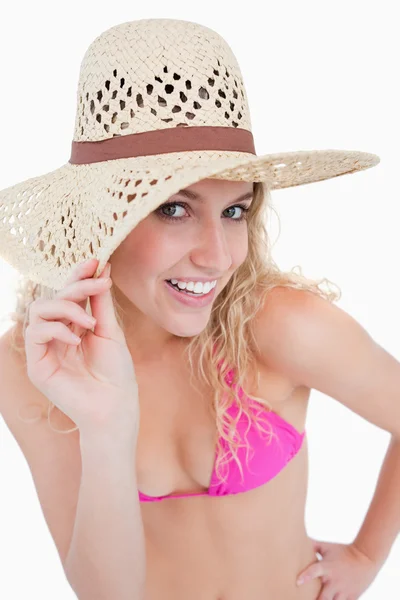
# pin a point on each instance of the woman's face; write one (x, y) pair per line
(204, 237)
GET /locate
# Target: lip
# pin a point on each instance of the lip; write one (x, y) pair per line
(191, 300)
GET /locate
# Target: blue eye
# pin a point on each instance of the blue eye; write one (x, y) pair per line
(168, 205)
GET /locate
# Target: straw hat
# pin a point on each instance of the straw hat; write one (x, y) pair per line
(161, 104)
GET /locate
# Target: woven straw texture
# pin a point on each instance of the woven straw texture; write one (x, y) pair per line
(136, 77)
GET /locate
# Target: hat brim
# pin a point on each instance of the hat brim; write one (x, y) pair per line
(55, 221)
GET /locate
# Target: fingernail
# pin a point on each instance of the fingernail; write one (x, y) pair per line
(300, 581)
(107, 270)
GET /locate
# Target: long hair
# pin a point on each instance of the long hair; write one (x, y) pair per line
(222, 355)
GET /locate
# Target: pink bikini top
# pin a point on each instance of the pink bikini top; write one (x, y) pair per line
(265, 458)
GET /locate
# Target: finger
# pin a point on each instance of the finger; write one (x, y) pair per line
(101, 267)
(315, 570)
(82, 271)
(316, 545)
(37, 338)
(327, 593)
(67, 306)
(61, 310)
(102, 308)
(319, 547)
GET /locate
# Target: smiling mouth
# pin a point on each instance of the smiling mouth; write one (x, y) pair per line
(196, 294)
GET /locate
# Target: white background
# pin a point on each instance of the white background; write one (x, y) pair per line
(318, 75)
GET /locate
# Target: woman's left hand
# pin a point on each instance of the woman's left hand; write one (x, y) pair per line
(345, 571)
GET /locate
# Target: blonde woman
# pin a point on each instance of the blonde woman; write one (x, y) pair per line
(158, 374)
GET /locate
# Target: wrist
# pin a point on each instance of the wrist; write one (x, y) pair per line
(122, 415)
(373, 555)
(110, 431)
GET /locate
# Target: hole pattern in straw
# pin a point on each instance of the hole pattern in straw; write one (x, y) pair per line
(172, 92)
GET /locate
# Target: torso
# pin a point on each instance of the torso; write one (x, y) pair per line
(249, 545)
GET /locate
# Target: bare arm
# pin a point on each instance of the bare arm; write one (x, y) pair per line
(106, 558)
(381, 525)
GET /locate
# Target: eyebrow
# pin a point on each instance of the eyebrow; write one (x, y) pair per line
(194, 196)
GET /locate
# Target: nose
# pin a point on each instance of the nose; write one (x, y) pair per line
(212, 250)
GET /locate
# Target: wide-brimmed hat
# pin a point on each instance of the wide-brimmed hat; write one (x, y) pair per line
(161, 104)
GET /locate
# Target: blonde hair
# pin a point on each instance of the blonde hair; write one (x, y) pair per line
(227, 344)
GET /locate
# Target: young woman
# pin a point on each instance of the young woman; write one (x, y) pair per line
(182, 468)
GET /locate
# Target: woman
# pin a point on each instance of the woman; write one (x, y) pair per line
(189, 474)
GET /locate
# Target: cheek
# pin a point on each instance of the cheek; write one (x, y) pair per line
(239, 251)
(148, 252)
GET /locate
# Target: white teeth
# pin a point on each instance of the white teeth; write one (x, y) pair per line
(195, 287)
(200, 288)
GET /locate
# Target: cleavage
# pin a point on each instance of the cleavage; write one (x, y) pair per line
(177, 434)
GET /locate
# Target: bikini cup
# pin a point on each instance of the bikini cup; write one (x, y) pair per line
(266, 460)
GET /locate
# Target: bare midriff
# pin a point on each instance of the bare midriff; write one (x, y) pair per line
(250, 545)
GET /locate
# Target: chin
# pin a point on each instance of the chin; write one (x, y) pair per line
(186, 332)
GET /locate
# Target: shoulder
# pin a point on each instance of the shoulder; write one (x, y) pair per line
(286, 311)
(293, 327)
(285, 303)
(17, 391)
(12, 362)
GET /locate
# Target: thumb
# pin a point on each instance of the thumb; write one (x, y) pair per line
(319, 547)
(102, 309)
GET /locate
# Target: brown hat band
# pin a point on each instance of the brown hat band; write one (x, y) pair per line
(162, 141)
